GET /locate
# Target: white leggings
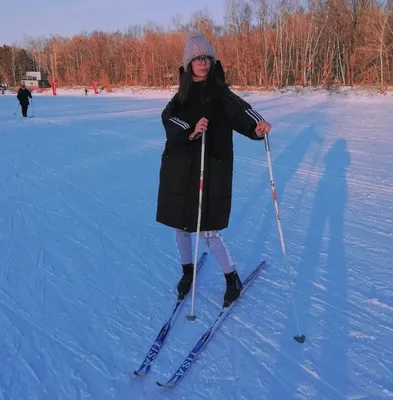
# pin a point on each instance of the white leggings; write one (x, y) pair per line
(214, 242)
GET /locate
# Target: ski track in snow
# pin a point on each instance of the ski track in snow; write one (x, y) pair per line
(87, 277)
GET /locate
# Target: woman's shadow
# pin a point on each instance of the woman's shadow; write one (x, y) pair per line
(321, 291)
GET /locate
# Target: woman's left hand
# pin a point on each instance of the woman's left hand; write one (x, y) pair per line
(262, 128)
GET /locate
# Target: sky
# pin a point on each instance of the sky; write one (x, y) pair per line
(24, 19)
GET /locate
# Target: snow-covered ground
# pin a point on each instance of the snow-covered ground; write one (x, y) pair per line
(87, 277)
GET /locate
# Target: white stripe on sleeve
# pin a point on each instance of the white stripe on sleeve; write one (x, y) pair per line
(254, 115)
(179, 122)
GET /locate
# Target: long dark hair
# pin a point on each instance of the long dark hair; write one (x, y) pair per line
(215, 80)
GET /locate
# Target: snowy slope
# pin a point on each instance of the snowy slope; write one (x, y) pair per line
(87, 277)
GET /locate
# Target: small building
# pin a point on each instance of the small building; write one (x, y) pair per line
(35, 80)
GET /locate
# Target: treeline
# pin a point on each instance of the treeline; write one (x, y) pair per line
(329, 42)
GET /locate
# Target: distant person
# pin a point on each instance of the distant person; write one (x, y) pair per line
(85, 92)
(23, 97)
(203, 102)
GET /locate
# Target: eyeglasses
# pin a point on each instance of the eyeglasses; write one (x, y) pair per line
(202, 59)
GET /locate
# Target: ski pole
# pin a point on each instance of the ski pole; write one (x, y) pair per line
(299, 338)
(32, 106)
(17, 106)
(192, 316)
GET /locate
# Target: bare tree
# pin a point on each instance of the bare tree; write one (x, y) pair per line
(323, 42)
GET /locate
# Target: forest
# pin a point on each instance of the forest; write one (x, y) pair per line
(260, 44)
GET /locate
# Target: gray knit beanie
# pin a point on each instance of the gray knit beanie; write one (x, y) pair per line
(196, 46)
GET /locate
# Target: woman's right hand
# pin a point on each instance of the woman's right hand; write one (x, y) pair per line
(199, 128)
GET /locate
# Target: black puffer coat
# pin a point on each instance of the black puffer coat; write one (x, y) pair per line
(23, 96)
(178, 192)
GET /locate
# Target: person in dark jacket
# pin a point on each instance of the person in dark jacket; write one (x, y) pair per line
(23, 97)
(203, 102)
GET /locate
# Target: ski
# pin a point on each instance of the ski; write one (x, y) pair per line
(162, 335)
(185, 366)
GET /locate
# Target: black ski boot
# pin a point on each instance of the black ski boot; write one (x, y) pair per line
(184, 285)
(234, 287)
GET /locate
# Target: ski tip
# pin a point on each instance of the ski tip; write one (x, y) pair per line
(163, 385)
(141, 373)
(300, 339)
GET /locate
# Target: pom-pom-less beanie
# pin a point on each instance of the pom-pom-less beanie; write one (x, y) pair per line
(196, 46)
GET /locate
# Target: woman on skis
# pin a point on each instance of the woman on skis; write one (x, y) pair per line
(23, 98)
(203, 103)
